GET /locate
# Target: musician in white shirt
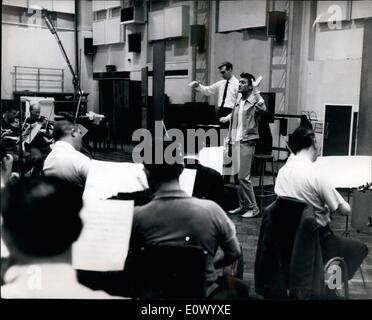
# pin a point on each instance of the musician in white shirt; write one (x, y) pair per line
(299, 178)
(227, 90)
(66, 161)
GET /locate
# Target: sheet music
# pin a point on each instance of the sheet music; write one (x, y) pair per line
(212, 157)
(187, 180)
(83, 130)
(106, 179)
(346, 171)
(104, 242)
(35, 128)
(47, 108)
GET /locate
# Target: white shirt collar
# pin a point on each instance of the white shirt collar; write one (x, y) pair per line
(300, 157)
(251, 98)
(64, 144)
(233, 79)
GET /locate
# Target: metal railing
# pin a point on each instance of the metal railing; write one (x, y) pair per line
(37, 79)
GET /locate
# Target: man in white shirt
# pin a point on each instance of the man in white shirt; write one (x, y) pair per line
(243, 134)
(300, 179)
(65, 161)
(40, 223)
(227, 90)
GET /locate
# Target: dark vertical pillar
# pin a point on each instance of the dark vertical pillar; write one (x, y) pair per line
(364, 141)
(158, 80)
(362, 202)
(144, 96)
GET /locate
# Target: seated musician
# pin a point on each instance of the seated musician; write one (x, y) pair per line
(45, 135)
(40, 145)
(299, 179)
(65, 160)
(9, 127)
(173, 217)
(40, 223)
(10, 136)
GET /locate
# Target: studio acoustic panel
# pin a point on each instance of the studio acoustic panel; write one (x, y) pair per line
(197, 36)
(127, 14)
(132, 15)
(169, 23)
(89, 48)
(276, 24)
(134, 42)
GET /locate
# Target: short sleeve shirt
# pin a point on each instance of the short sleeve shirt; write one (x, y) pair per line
(174, 218)
(300, 179)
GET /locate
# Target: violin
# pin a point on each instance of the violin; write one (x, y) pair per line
(47, 126)
(15, 123)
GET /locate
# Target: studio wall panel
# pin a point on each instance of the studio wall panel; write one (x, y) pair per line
(361, 9)
(238, 15)
(156, 25)
(176, 22)
(16, 3)
(98, 28)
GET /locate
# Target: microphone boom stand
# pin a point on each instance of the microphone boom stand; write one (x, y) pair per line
(75, 78)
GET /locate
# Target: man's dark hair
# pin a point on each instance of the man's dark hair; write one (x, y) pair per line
(249, 77)
(62, 128)
(41, 215)
(301, 138)
(226, 64)
(164, 172)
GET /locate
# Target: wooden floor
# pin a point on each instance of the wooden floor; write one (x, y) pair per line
(248, 230)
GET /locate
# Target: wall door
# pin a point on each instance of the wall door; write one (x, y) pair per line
(337, 130)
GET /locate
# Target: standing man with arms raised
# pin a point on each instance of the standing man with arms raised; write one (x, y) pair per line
(243, 135)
